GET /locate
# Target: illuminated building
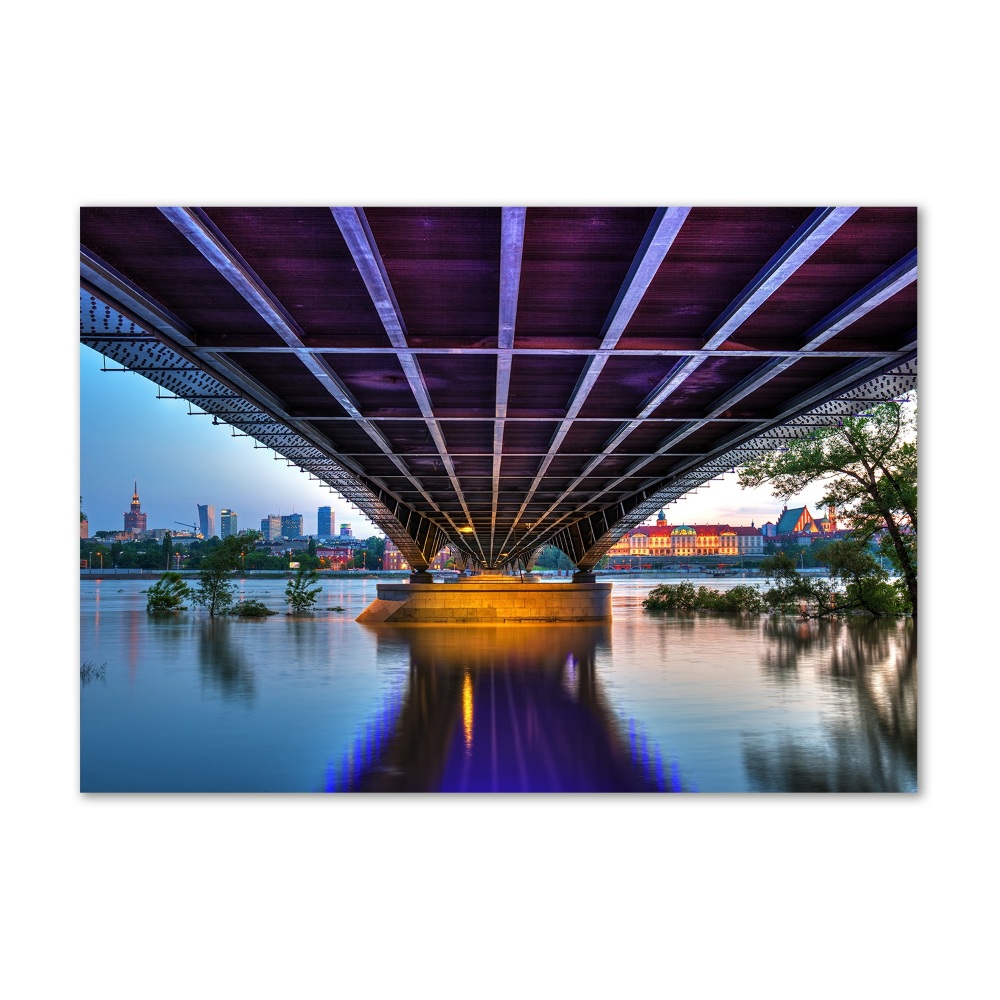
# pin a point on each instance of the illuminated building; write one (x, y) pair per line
(324, 522)
(270, 527)
(135, 519)
(228, 519)
(292, 525)
(692, 540)
(206, 520)
(392, 558)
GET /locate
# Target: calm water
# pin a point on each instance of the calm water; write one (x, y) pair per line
(643, 703)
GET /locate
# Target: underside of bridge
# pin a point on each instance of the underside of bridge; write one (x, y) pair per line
(502, 378)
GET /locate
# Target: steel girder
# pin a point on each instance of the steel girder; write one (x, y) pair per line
(128, 343)
(556, 412)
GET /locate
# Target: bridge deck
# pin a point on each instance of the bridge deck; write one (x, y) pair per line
(501, 378)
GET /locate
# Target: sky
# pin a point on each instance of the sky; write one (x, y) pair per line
(178, 460)
(128, 435)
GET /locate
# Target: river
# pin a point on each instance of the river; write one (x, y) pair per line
(647, 702)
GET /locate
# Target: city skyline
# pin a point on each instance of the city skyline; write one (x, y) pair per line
(129, 436)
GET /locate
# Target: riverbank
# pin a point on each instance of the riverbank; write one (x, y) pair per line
(693, 572)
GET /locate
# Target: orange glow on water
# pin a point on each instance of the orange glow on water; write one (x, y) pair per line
(467, 710)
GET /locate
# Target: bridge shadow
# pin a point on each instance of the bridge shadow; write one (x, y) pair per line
(500, 709)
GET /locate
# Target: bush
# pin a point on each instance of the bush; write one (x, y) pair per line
(300, 594)
(250, 609)
(684, 597)
(671, 597)
(879, 597)
(168, 594)
(742, 599)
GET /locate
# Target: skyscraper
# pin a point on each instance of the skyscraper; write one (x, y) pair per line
(228, 518)
(345, 531)
(206, 519)
(324, 522)
(270, 527)
(135, 520)
(292, 526)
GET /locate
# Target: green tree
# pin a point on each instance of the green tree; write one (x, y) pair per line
(551, 557)
(302, 590)
(168, 549)
(376, 550)
(866, 583)
(168, 594)
(312, 547)
(216, 589)
(868, 467)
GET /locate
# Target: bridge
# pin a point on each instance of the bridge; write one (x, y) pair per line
(498, 379)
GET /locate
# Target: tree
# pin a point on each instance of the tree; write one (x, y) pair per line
(376, 550)
(301, 594)
(868, 466)
(168, 549)
(551, 557)
(216, 590)
(867, 586)
(168, 594)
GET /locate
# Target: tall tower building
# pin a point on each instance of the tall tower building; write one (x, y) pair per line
(324, 522)
(206, 520)
(135, 520)
(270, 527)
(345, 531)
(228, 519)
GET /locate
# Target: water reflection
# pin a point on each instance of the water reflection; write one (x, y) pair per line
(790, 640)
(501, 709)
(219, 661)
(869, 742)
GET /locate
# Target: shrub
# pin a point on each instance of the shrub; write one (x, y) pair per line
(742, 599)
(250, 609)
(168, 594)
(300, 594)
(684, 597)
(671, 597)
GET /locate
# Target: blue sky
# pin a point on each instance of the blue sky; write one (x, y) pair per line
(128, 435)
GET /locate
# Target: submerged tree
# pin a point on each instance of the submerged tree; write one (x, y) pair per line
(868, 467)
(302, 590)
(168, 594)
(216, 590)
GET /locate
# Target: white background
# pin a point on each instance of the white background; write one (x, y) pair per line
(524, 103)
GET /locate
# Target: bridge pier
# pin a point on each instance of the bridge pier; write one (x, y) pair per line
(488, 599)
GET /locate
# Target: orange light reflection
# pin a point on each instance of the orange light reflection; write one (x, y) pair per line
(467, 711)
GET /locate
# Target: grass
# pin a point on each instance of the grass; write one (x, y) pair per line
(90, 671)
